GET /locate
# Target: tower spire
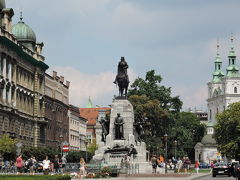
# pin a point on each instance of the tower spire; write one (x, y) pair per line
(21, 16)
(89, 105)
(232, 69)
(218, 74)
(218, 46)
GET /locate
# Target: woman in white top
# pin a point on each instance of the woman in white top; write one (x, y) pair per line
(46, 166)
(82, 168)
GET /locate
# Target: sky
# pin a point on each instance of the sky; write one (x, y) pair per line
(84, 40)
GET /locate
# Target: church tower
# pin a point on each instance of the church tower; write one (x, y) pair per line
(222, 91)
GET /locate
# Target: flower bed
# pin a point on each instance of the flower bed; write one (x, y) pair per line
(35, 177)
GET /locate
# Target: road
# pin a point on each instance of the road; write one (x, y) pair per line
(216, 178)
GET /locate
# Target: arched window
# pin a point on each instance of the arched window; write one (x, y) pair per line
(235, 89)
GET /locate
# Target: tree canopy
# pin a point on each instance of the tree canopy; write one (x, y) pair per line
(154, 105)
(227, 131)
(151, 88)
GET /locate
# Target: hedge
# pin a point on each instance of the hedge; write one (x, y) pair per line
(34, 177)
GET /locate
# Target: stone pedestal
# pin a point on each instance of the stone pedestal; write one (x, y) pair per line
(125, 108)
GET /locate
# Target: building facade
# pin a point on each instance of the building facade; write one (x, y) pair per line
(77, 129)
(222, 91)
(91, 114)
(22, 69)
(56, 110)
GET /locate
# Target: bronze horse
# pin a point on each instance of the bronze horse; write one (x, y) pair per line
(122, 82)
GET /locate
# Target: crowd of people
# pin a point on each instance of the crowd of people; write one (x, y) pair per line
(33, 166)
(179, 165)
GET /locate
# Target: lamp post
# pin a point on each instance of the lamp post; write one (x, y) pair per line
(175, 152)
(165, 139)
(61, 139)
(86, 143)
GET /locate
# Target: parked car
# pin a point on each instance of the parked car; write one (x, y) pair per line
(221, 168)
(204, 165)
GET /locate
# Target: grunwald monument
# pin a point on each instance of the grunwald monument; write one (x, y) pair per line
(120, 138)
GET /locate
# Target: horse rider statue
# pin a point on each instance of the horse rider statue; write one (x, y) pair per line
(122, 79)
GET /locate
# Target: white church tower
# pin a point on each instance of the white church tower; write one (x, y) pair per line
(222, 91)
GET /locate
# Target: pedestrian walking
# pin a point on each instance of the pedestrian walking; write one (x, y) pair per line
(179, 164)
(31, 165)
(56, 165)
(19, 164)
(82, 171)
(154, 164)
(46, 166)
(197, 166)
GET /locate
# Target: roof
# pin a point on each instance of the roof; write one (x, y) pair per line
(91, 114)
(19, 51)
(23, 32)
(208, 139)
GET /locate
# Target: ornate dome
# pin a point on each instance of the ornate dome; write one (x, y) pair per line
(208, 139)
(2, 4)
(23, 32)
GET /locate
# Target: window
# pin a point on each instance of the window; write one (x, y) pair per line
(210, 114)
(235, 89)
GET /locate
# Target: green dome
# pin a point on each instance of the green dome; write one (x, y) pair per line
(23, 32)
(2, 4)
(208, 139)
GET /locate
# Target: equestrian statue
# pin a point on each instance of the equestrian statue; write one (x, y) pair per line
(122, 79)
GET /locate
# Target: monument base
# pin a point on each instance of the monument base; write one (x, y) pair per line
(114, 150)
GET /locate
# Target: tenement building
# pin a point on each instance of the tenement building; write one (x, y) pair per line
(91, 114)
(56, 110)
(77, 129)
(223, 90)
(22, 69)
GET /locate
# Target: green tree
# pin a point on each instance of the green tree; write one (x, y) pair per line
(39, 153)
(7, 146)
(74, 156)
(187, 131)
(151, 88)
(227, 131)
(153, 102)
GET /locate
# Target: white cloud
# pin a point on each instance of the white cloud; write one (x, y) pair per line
(192, 97)
(99, 87)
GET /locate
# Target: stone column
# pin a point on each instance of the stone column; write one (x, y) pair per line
(4, 73)
(14, 98)
(35, 135)
(4, 94)
(10, 72)
(10, 96)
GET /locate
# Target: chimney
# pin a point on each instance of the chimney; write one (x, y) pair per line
(67, 83)
(61, 79)
(54, 74)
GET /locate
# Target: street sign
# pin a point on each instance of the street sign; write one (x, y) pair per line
(65, 148)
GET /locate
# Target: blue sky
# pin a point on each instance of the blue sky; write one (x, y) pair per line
(84, 40)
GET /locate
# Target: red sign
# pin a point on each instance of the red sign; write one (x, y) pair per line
(65, 148)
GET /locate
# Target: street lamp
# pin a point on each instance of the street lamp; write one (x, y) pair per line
(86, 143)
(165, 139)
(175, 144)
(61, 139)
